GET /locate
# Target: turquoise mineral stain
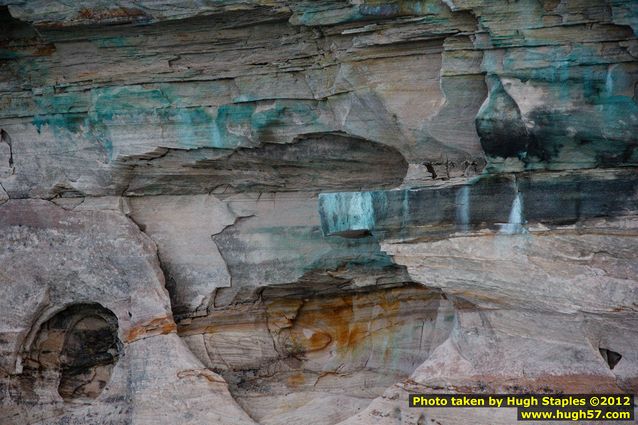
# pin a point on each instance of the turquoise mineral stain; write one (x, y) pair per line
(347, 211)
(463, 207)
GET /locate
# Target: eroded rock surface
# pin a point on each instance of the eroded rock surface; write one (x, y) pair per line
(331, 351)
(91, 336)
(281, 212)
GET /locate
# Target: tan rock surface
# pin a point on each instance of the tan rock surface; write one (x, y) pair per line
(299, 212)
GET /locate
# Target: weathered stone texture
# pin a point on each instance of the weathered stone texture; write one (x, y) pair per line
(282, 212)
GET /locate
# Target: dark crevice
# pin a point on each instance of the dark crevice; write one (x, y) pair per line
(169, 281)
(321, 161)
(611, 357)
(356, 234)
(431, 170)
(12, 28)
(4, 137)
(20, 39)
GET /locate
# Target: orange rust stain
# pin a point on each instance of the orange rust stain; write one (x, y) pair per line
(296, 380)
(281, 313)
(389, 301)
(158, 326)
(87, 74)
(340, 323)
(358, 332)
(118, 12)
(332, 316)
(318, 340)
(85, 13)
(332, 321)
(345, 321)
(44, 50)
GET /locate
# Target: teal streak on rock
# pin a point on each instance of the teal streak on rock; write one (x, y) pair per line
(103, 108)
(380, 10)
(307, 250)
(349, 212)
(463, 208)
(599, 130)
(361, 252)
(61, 112)
(6, 54)
(194, 127)
(498, 202)
(406, 209)
(230, 121)
(130, 99)
(515, 223)
(109, 42)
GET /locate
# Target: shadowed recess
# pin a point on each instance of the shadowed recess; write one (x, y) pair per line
(611, 357)
(323, 161)
(317, 345)
(76, 351)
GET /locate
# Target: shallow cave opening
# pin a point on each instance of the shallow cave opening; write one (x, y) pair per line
(316, 161)
(318, 342)
(611, 357)
(75, 351)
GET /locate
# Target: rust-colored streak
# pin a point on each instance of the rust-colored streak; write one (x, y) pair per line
(318, 340)
(106, 14)
(158, 326)
(335, 326)
(344, 321)
(44, 50)
(296, 380)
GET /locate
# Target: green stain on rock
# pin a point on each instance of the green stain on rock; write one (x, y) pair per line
(352, 253)
(60, 123)
(589, 120)
(500, 126)
(110, 42)
(233, 125)
(194, 127)
(347, 212)
(98, 111)
(110, 102)
(62, 112)
(6, 54)
(356, 214)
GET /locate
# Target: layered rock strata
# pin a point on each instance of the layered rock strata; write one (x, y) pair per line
(275, 212)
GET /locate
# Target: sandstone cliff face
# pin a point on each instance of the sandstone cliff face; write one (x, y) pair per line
(276, 212)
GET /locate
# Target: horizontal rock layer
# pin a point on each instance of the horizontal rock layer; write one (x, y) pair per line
(443, 83)
(265, 211)
(509, 203)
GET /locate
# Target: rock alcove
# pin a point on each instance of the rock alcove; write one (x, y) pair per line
(75, 352)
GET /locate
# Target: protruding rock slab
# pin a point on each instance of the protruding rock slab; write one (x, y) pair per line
(489, 201)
